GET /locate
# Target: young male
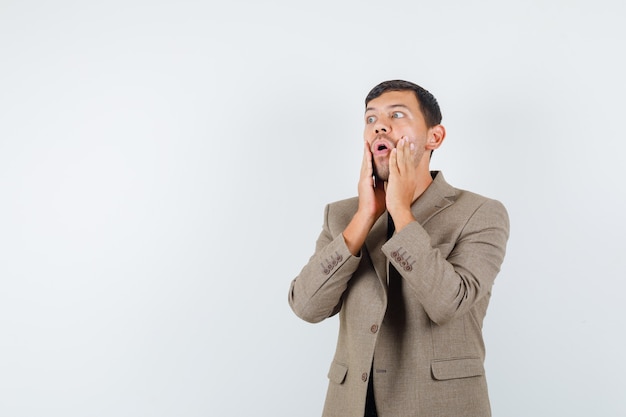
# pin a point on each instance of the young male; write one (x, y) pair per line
(408, 265)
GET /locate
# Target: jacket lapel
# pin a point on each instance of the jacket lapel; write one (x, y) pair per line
(437, 197)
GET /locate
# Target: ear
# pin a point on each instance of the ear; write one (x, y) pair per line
(436, 135)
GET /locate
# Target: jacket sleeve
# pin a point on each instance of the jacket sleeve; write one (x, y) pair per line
(315, 294)
(448, 286)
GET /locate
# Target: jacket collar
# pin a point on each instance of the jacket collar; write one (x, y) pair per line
(435, 198)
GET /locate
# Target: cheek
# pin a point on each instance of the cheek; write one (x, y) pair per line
(408, 132)
(412, 132)
(405, 127)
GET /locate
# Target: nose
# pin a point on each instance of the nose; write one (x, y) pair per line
(381, 126)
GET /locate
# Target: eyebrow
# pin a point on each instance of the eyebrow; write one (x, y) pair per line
(392, 106)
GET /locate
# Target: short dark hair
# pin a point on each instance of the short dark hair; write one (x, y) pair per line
(428, 102)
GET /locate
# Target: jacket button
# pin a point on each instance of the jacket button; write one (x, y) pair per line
(364, 377)
(394, 254)
(408, 268)
(374, 328)
(326, 272)
(340, 258)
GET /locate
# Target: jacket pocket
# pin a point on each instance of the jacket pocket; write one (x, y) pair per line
(337, 372)
(457, 368)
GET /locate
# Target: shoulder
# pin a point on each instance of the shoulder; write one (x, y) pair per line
(468, 214)
(345, 204)
(343, 208)
(470, 207)
(469, 198)
(465, 199)
(481, 211)
(338, 214)
(483, 206)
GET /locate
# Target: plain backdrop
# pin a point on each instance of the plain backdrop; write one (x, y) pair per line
(164, 167)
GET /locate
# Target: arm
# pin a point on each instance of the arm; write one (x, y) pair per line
(315, 294)
(448, 286)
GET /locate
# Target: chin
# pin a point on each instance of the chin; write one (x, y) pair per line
(382, 173)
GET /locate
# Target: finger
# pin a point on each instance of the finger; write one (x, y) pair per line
(402, 155)
(413, 146)
(367, 167)
(367, 158)
(407, 157)
(413, 161)
(393, 163)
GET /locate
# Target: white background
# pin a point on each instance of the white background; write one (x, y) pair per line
(164, 166)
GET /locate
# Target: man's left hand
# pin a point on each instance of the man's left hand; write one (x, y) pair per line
(403, 181)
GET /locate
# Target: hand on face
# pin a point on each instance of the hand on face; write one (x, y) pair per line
(371, 193)
(403, 178)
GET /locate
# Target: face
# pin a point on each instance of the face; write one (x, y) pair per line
(388, 118)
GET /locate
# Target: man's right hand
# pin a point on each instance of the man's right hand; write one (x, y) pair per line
(371, 193)
(371, 204)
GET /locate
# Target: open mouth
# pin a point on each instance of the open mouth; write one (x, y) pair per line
(381, 147)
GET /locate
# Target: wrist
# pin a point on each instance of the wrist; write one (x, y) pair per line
(401, 218)
(357, 230)
(365, 218)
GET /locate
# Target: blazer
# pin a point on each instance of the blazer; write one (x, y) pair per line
(422, 336)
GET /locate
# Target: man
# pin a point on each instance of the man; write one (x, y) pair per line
(408, 265)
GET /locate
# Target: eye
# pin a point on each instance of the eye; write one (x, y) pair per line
(397, 115)
(370, 119)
